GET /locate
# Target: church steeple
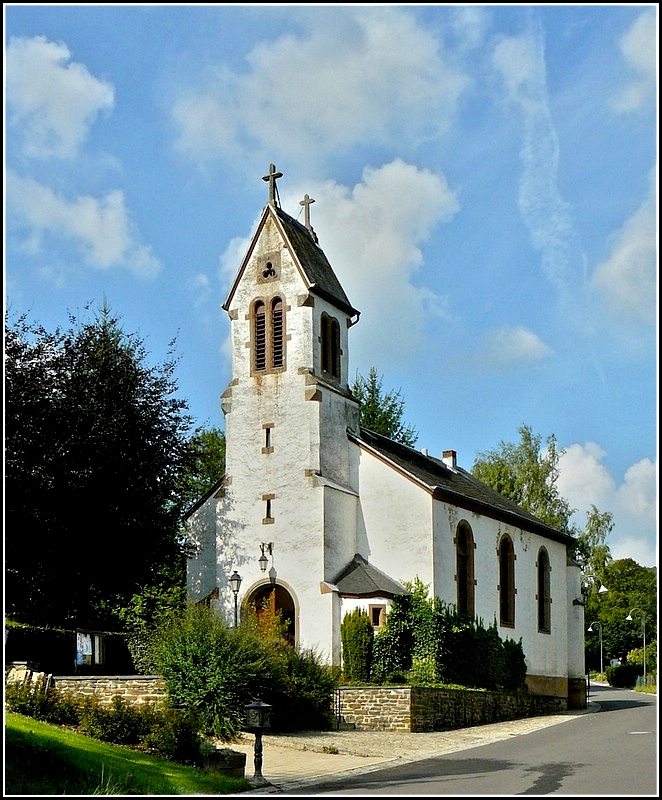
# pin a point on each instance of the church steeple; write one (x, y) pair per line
(290, 322)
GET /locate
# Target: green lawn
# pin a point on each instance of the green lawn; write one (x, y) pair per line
(45, 759)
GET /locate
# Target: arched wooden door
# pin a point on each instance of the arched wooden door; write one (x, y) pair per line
(271, 601)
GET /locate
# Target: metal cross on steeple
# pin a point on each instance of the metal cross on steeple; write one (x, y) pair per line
(272, 177)
(306, 203)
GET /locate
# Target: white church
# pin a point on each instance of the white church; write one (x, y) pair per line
(316, 515)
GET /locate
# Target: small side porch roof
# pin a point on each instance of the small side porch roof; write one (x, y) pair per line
(362, 579)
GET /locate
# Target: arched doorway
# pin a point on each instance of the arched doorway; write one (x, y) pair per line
(274, 600)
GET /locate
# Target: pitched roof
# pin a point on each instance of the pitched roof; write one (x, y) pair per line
(309, 258)
(361, 579)
(456, 486)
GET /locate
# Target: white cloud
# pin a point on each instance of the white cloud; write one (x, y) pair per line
(511, 347)
(371, 234)
(469, 24)
(99, 228)
(584, 481)
(521, 62)
(639, 49)
(364, 77)
(627, 278)
(51, 101)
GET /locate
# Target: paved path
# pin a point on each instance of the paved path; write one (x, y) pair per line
(294, 761)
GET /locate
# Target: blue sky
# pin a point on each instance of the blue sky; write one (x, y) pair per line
(485, 184)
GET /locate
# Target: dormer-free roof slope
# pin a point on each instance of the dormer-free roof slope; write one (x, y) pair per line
(456, 486)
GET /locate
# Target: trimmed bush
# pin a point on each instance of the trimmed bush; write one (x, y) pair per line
(623, 676)
(357, 636)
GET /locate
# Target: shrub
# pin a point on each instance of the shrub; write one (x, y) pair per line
(514, 665)
(213, 670)
(393, 645)
(623, 676)
(41, 701)
(304, 698)
(173, 734)
(430, 643)
(357, 636)
(122, 723)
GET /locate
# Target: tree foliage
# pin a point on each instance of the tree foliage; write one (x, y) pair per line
(382, 411)
(214, 671)
(357, 638)
(427, 642)
(592, 551)
(629, 586)
(207, 463)
(96, 443)
(528, 475)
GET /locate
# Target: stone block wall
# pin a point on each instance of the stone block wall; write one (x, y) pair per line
(417, 708)
(372, 708)
(135, 689)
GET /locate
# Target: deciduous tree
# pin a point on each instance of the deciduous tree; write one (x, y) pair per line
(96, 443)
(527, 474)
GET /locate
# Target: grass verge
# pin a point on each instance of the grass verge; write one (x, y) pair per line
(43, 759)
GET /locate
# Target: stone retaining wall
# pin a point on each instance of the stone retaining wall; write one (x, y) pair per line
(137, 689)
(417, 709)
(394, 708)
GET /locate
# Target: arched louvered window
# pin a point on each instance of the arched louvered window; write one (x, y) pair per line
(260, 336)
(268, 335)
(506, 555)
(330, 346)
(464, 554)
(277, 332)
(544, 594)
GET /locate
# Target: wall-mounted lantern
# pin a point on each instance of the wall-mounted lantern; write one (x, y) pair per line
(263, 561)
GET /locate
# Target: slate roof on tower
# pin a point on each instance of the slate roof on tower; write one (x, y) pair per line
(308, 256)
(456, 486)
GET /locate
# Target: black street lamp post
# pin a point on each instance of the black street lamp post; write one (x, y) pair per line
(235, 583)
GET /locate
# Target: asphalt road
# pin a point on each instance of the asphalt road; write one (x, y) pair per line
(611, 752)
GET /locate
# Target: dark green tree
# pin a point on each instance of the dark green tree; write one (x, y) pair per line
(357, 638)
(96, 444)
(382, 411)
(207, 463)
(629, 585)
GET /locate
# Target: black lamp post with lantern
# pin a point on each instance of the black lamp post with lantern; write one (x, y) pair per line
(258, 719)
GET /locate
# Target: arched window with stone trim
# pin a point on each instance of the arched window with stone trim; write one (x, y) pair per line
(330, 346)
(506, 558)
(464, 569)
(544, 598)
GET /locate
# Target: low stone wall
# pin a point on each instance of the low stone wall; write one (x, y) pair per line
(417, 708)
(372, 708)
(136, 689)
